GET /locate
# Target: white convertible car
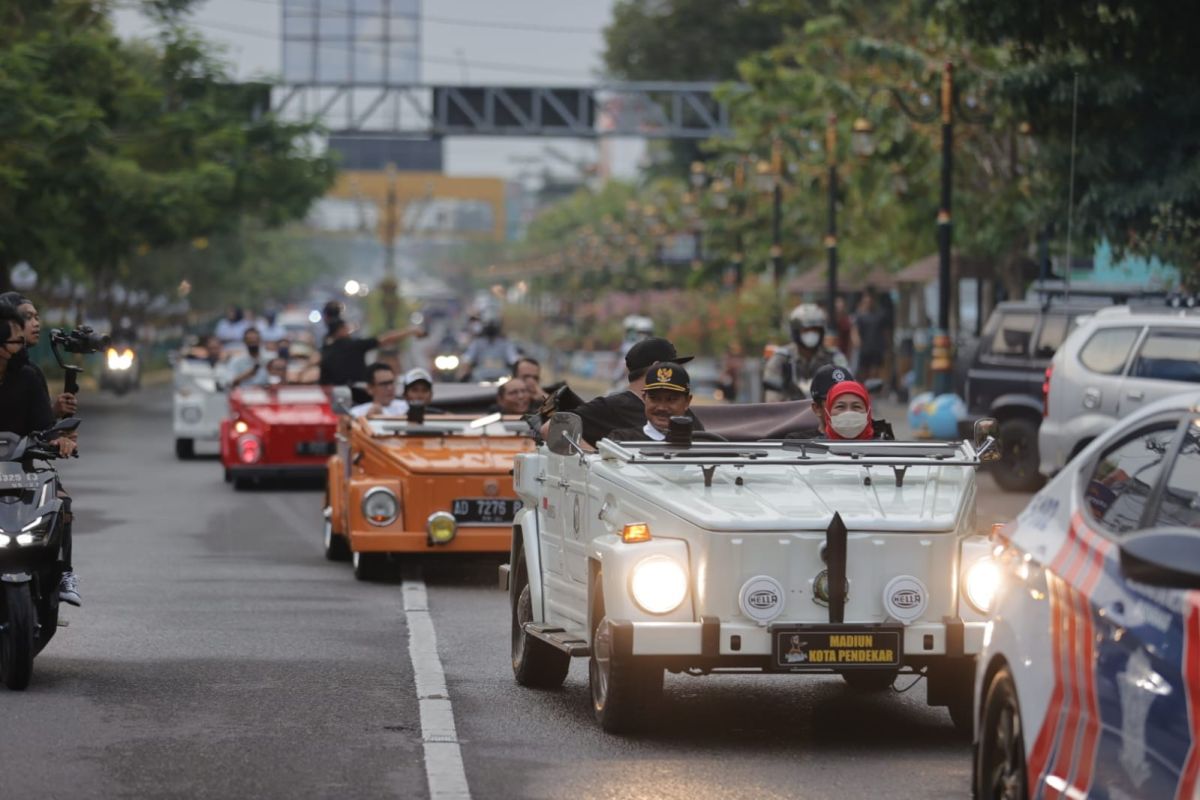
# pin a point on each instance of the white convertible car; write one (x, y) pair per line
(785, 556)
(200, 404)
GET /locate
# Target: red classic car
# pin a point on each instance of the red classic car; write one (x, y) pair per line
(282, 431)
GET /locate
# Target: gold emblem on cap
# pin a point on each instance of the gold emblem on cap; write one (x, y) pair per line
(665, 374)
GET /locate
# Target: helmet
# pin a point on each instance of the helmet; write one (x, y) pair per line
(805, 316)
(637, 325)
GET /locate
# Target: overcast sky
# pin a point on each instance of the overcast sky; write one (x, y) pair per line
(516, 42)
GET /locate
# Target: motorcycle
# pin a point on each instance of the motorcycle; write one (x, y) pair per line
(32, 524)
(121, 370)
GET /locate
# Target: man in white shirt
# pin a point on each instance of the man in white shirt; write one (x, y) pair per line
(381, 383)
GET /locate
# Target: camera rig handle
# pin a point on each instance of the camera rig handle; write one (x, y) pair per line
(71, 372)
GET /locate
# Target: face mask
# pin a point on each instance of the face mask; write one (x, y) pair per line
(282, 352)
(252, 351)
(810, 339)
(849, 424)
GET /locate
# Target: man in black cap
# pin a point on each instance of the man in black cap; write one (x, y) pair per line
(625, 409)
(668, 393)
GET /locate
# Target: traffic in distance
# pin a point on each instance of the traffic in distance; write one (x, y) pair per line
(614, 399)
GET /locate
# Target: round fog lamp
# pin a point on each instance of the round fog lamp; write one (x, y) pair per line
(658, 584)
(981, 582)
(441, 527)
(379, 506)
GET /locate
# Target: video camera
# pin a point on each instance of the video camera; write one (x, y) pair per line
(82, 340)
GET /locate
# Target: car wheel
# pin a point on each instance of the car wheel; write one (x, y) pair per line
(872, 680)
(535, 663)
(369, 566)
(1017, 469)
(185, 449)
(1000, 772)
(624, 692)
(336, 546)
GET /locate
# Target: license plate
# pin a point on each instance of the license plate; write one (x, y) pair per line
(316, 448)
(821, 648)
(484, 510)
(12, 481)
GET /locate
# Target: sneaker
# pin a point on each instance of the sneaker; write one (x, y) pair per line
(68, 589)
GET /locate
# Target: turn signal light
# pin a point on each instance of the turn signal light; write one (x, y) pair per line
(635, 532)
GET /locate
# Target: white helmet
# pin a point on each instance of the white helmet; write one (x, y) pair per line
(806, 315)
(637, 324)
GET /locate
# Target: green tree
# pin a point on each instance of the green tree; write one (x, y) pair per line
(1138, 122)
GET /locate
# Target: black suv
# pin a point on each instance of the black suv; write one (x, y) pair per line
(1005, 374)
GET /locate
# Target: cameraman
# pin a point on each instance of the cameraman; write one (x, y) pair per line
(25, 409)
(65, 404)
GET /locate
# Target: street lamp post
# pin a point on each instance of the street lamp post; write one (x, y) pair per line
(942, 361)
(831, 241)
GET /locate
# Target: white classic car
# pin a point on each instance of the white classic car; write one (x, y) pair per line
(200, 403)
(704, 556)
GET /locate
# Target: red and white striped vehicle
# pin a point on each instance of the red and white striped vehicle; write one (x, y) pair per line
(1089, 680)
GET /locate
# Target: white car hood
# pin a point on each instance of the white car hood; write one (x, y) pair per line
(786, 497)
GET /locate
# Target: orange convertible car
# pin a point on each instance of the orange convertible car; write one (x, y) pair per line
(440, 485)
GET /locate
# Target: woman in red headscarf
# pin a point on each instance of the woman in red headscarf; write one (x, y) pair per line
(848, 412)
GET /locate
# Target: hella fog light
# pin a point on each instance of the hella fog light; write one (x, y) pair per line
(379, 506)
(442, 527)
(658, 584)
(980, 584)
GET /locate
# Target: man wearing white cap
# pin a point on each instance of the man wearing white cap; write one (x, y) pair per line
(381, 383)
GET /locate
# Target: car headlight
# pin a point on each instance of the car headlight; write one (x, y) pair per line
(380, 507)
(442, 527)
(446, 362)
(4, 540)
(658, 584)
(981, 582)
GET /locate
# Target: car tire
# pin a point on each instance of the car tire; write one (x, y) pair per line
(870, 680)
(1017, 469)
(369, 566)
(336, 546)
(185, 449)
(535, 664)
(624, 692)
(1000, 772)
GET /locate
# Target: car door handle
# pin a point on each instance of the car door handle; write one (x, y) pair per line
(1091, 398)
(1135, 395)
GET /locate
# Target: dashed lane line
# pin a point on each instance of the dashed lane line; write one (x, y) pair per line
(443, 756)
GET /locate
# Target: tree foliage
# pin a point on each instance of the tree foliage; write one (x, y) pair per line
(1138, 140)
(113, 150)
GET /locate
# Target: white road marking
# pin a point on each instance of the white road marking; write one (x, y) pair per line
(443, 757)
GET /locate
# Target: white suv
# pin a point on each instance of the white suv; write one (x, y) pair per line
(1112, 365)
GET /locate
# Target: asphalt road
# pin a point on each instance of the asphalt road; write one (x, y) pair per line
(219, 655)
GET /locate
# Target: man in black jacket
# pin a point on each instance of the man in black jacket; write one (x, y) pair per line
(668, 393)
(25, 409)
(626, 409)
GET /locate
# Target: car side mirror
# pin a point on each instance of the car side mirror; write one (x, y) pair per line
(341, 400)
(415, 414)
(984, 438)
(565, 431)
(679, 431)
(1167, 558)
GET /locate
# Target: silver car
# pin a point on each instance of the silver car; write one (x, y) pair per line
(1112, 365)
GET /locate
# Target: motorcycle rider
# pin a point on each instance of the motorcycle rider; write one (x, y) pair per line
(791, 368)
(25, 409)
(491, 355)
